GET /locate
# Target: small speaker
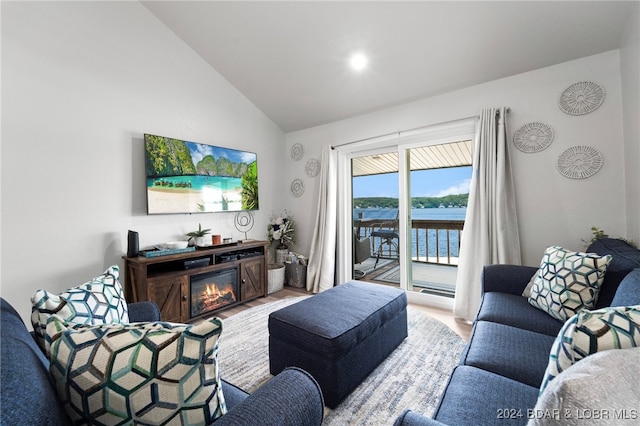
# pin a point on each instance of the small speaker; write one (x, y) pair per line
(132, 244)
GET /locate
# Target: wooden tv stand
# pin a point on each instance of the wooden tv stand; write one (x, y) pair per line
(165, 281)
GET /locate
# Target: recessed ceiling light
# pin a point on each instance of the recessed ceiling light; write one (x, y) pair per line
(358, 61)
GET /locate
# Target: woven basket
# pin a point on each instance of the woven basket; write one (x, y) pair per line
(296, 275)
(275, 278)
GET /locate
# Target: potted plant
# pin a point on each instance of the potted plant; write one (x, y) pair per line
(281, 229)
(199, 236)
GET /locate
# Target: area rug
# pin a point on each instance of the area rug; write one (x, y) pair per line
(369, 265)
(391, 275)
(412, 377)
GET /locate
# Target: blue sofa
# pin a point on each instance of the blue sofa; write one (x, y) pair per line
(28, 397)
(502, 367)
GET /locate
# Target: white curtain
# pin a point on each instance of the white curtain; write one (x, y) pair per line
(322, 259)
(490, 232)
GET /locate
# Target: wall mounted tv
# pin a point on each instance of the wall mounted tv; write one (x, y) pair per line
(189, 177)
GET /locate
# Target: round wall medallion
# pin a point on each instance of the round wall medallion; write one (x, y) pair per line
(313, 167)
(581, 98)
(533, 137)
(579, 162)
(297, 151)
(297, 187)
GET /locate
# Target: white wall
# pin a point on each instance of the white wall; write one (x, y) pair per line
(82, 82)
(630, 75)
(552, 209)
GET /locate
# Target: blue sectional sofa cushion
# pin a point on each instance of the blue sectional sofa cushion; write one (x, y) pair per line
(515, 310)
(628, 293)
(476, 397)
(28, 396)
(511, 352)
(624, 258)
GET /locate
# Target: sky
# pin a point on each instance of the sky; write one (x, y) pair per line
(424, 183)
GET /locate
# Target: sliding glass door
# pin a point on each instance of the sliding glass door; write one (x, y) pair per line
(376, 240)
(438, 190)
(406, 207)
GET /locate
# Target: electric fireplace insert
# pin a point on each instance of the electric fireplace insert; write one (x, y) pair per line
(213, 291)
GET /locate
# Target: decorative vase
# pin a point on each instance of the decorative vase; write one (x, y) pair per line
(281, 253)
(203, 241)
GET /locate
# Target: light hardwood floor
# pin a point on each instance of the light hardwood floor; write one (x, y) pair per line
(462, 328)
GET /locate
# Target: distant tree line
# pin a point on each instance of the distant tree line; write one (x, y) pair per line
(457, 200)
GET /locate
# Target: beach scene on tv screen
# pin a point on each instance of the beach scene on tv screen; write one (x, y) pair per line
(190, 177)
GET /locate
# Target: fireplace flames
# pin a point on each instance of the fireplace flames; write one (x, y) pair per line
(212, 296)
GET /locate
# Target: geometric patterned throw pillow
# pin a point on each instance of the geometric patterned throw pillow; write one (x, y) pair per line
(98, 301)
(589, 332)
(567, 282)
(142, 373)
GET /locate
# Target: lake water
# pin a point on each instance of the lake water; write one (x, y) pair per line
(456, 213)
(195, 183)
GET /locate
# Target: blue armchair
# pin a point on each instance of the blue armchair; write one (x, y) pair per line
(28, 396)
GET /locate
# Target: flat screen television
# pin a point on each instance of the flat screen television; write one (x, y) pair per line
(190, 177)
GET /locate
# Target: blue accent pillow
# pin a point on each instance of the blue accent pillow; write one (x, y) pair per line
(625, 256)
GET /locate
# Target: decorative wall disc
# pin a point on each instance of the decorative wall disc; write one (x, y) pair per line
(533, 137)
(581, 98)
(297, 187)
(313, 167)
(579, 162)
(297, 151)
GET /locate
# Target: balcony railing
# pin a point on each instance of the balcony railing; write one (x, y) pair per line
(432, 241)
(436, 241)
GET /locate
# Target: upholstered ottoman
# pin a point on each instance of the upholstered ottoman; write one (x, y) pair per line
(338, 336)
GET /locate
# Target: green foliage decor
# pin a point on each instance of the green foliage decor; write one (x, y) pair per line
(199, 233)
(599, 233)
(168, 157)
(171, 157)
(458, 200)
(250, 188)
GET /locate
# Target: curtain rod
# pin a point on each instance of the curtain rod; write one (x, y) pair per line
(405, 131)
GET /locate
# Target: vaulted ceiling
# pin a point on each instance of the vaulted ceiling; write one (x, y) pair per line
(291, 58)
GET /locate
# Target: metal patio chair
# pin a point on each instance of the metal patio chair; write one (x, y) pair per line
(389, 237)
